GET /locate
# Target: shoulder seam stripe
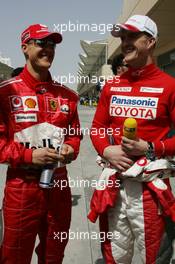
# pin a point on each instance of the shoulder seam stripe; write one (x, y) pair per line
(9, 82)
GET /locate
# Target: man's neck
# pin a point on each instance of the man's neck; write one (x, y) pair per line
(40, 75)
(150, 60)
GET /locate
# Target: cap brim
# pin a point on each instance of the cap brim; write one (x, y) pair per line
(119, 29)
(57, 37)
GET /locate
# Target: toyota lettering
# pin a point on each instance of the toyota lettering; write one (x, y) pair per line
(131, 106)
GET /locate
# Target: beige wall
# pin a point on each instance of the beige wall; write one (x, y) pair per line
(165, 48)
(159, 10)
(133, 7)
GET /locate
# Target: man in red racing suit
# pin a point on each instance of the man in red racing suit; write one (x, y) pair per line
(32, 107)
(147, 94)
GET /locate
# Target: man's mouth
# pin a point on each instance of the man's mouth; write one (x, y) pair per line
(46, 56)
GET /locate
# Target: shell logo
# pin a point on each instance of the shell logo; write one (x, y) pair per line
(30, 103)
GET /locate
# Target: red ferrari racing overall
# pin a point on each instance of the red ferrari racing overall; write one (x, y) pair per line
(30, 112)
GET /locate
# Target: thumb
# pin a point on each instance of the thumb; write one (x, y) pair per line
(64, 149)
(51, 150)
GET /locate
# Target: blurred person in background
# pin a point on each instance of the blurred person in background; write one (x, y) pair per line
(118, 66)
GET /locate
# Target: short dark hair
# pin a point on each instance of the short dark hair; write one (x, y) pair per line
(116, 62)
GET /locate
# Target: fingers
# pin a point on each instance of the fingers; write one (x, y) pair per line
(127, 160)
(67, 153)
(123, 166)
(126, 140)
(127, 150)
(50, 150)
(127, 145)
(64, 149)
(53, 158)
(122, 163)
(43, 156)
(51, 155)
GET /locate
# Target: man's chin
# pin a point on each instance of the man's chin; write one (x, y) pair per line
(129, 57)
(131, 60)
(45, 65)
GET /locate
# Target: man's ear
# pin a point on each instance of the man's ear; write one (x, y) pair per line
(151, 43)
(24, 48)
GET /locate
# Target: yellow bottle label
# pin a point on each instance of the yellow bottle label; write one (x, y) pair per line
(130, 128)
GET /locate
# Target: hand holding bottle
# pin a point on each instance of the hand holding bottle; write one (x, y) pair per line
(132, 145)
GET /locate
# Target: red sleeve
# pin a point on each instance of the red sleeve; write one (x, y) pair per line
(10, 151)
(101, 123)
(73, 135)
(167, 147)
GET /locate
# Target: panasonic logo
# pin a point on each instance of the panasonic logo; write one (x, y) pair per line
(134, 101)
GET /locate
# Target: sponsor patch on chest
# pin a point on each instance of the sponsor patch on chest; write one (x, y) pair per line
(52, 104)
(132, 106)
(24, 103)
(19, 118)
(144, 89)
(121, 89)
(64, 105)
(57, 104)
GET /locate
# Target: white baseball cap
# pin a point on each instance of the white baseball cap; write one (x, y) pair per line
(136, 23)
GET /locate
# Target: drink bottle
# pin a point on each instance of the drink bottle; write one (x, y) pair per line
(46, 177)
(130, 128)
(46, 180)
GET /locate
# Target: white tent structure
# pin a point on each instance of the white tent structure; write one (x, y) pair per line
(94, 56)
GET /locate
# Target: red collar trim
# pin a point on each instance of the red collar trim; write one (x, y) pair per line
(142, 72)
(31, 81)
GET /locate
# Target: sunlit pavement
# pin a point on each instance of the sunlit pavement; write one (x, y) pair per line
(80, 250)
(87, 250)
